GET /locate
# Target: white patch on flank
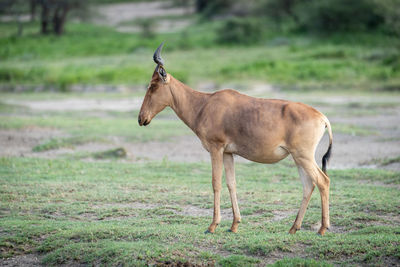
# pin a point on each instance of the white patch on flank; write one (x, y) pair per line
(231, 148)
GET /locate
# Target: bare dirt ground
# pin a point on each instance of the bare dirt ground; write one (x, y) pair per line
(29, 260)
(349, 150)
(75, 104)
(20, 142)
(114, 14)
(121, 16)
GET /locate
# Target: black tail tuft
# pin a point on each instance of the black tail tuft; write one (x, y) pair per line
(326, 157)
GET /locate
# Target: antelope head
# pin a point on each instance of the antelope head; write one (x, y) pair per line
(158, 95)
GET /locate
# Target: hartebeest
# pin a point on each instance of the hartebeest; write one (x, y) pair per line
(261, 130)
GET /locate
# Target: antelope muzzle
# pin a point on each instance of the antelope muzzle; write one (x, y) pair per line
(143, 120)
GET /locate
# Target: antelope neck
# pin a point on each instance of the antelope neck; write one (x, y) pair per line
(186, 102)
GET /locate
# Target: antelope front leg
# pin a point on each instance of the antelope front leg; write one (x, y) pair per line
(216, 161)
(231, 183)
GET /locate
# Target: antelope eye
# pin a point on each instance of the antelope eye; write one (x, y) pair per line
(152, 87)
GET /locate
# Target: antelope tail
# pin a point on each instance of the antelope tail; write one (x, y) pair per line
(328, 153)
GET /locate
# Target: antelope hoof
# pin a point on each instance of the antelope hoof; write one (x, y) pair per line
(232, 230)
(292, 230)
(212, 227)
(322, 230)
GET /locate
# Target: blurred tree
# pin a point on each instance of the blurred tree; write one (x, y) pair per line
(240, 30)
(390, 10)
(201, 5)
(15, 9)
(55, 12)
(5, 5)
(32, 8)
(340, 15)
(147, 27)
(333, 15)
(210, 8)
(278, 10)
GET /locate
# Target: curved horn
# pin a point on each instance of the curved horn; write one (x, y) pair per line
(157, 55)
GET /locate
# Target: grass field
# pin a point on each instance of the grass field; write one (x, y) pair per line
(93, 55)
(71, 210)
(101, 126)
(112, 213)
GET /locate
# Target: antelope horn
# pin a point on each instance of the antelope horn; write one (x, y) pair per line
(157, 55)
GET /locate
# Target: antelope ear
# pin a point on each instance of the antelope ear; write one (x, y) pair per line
(162, 73)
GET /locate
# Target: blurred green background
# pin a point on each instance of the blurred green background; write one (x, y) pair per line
(292, 44)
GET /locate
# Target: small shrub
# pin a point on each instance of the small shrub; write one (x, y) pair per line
(339, 15)
(239, 30)
(333, 15)
(119, 152)
(215, 7)
(147, 27)
(70, 142)
(390, 10)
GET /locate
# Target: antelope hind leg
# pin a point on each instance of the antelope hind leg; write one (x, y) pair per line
(231, 183)
(323, 184)
(314, 176)
(308, 188)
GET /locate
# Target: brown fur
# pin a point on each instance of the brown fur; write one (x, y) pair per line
(261, 130)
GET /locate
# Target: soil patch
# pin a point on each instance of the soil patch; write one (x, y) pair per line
(163, 26)
(187, 210)
(20, 142)
(349, 151)
(74, 104)
(28, 260)
(115, 14)
(281, 215)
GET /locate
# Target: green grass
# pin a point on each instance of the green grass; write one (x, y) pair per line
(115, 153)
(90, 54)
(85, 129)
(70, 142)
(354, 130)
(356, 109)
(384, 161)
(69, 211)
(391, 160)
(75, 128)
(73, 212)
(299, 262)
(8, 108)
(102, 127)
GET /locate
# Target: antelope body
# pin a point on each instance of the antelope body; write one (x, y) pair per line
(261, 130)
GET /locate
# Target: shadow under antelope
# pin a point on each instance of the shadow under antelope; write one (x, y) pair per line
(261, 130)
